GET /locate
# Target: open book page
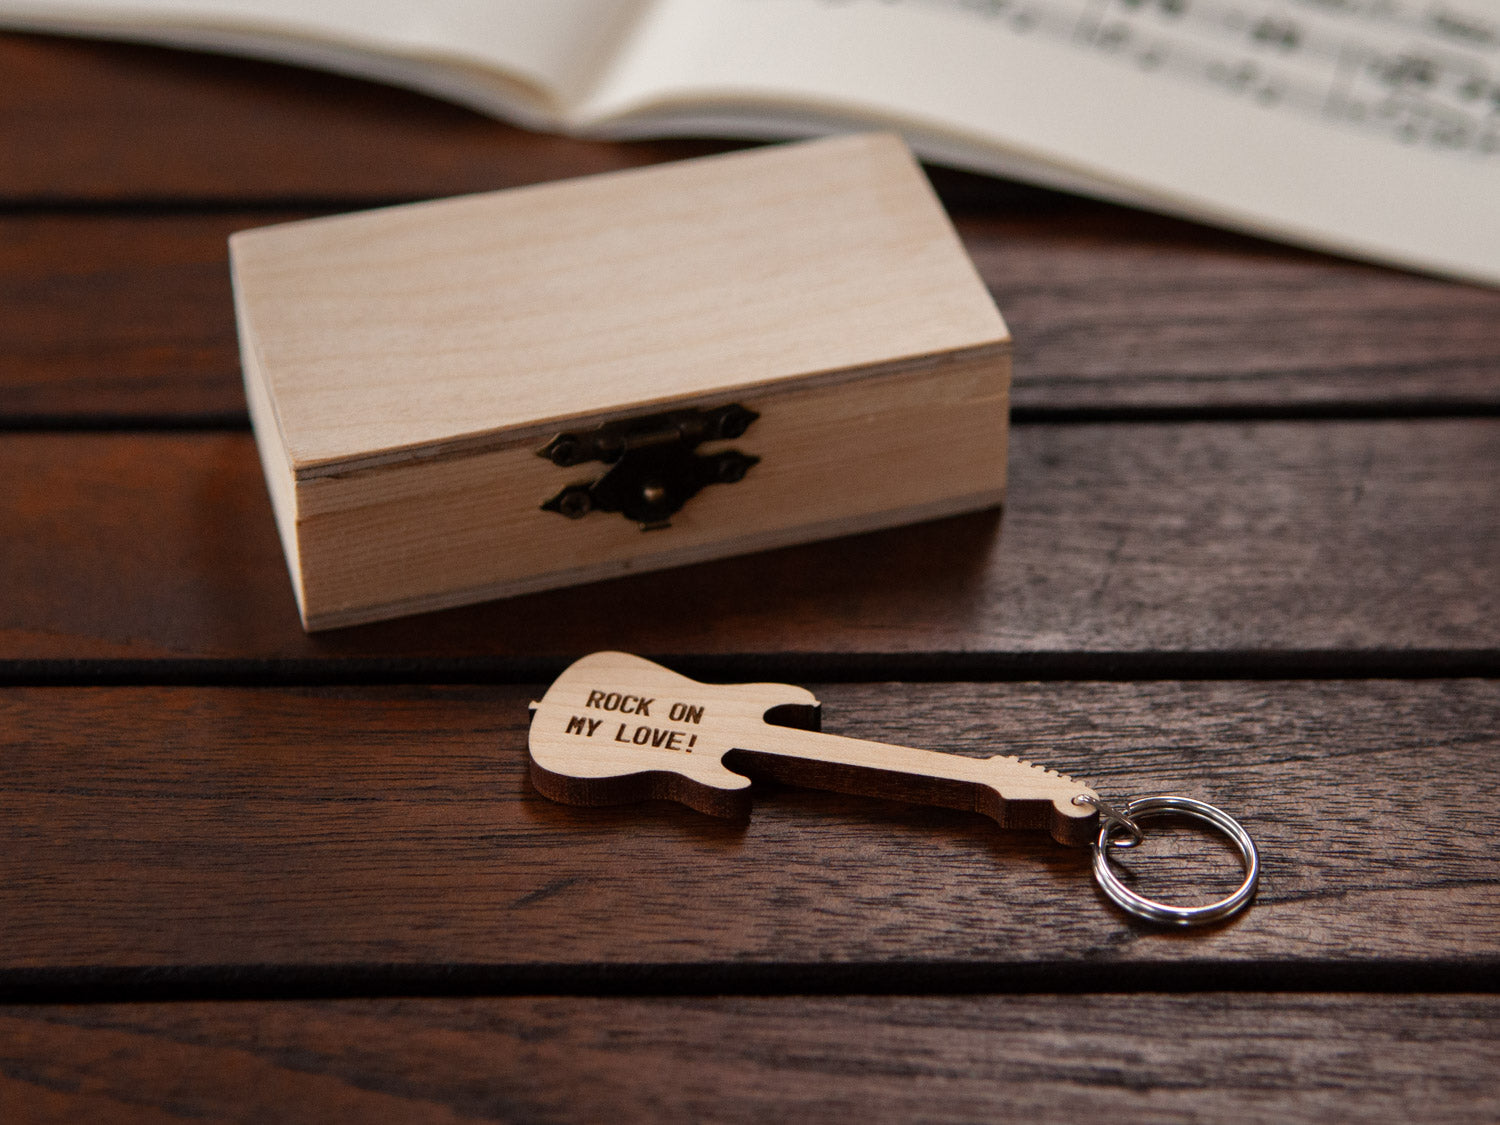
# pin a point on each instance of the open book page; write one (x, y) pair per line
(524, 59)
(1368, 127)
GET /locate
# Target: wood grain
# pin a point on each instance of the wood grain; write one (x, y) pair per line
(1046, 1058)
(925, 439)
(443, 327)
(1112, 309)
(124, 317)
(1118, 539)
(374, 838)
(118, 318)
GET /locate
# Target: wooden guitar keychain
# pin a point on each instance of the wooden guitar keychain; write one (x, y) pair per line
(615, 728)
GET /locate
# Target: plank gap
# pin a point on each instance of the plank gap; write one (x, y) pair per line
(216, 421)
(826, 667)
(1330, 411)
(44, 206)
(175, 983)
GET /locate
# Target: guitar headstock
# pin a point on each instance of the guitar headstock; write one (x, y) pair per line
(615, 728)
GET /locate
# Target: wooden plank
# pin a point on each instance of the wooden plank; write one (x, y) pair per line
(1047, 1058)
(1112, 309)
(376, 838)
(111, 316)
(1315, 538)
(90, 122)
(118, 318)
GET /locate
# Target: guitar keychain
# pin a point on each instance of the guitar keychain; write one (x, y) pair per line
(615, 728)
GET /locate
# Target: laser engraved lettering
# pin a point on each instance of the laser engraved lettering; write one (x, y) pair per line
(657, 738)
(614, 701)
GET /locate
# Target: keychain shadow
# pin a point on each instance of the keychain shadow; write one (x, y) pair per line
(948, 841)
(777, 810)
(656, 814)
(945, 838)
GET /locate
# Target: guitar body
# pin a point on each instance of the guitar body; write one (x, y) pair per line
(615, 728)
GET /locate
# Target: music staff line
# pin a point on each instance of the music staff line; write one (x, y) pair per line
(1412, 90)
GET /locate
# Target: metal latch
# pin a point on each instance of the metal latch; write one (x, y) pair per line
(655, 470)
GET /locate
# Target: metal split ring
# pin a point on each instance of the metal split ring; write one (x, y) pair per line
(1149, 808)
(1112, 817)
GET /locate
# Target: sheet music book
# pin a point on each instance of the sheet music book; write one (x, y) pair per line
(1369, 128)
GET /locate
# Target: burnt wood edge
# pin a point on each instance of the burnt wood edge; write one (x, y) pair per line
(648, 785)
(1376, 410)
(821, 667)
(884, 978)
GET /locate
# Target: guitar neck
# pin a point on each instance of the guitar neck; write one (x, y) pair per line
(1011, 792)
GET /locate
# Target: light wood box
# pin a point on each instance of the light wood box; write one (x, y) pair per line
(410, 371)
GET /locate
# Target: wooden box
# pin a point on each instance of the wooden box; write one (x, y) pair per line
(484, 396)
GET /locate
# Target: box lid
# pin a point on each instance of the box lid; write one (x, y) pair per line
(465, 324)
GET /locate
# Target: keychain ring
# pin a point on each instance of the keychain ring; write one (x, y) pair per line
(1150, 808)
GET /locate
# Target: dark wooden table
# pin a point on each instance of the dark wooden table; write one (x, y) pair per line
(1251, 553)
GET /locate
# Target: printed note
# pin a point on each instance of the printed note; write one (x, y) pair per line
(1418, 73)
